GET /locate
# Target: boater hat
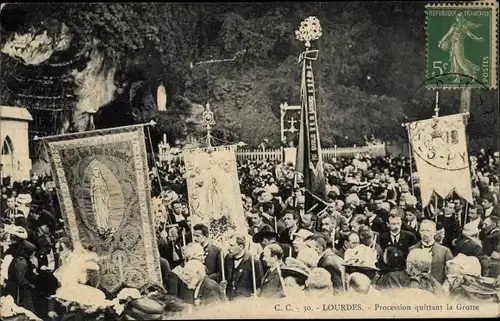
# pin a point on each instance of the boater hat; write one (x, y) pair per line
(299, 274)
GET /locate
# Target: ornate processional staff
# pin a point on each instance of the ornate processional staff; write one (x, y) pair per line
(208, 121)
(309, 159)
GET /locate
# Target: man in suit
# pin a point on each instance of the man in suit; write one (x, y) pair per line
(411, 221)
(450, 223)
(397, 237)
(488, 203)
(475, 215)
(272, 285)
(490, 235)
(202, 289)
(265, 238)
(327, 228)
(173, 283)
(440, 253)
(291, 220)
(374, 222)
(329, 261)
(469, 243)
(239, 270)
(351, 242)
(213, 253)
(307, 221)
(257, 223)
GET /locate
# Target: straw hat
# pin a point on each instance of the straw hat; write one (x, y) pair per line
(470, 229)
(23, 199)
(265, 197)
(299, 274)
(303, 233)
(17, 231)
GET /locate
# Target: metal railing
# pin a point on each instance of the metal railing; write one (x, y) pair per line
(277, 153)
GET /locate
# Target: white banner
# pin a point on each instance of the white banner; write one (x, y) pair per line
(440, 152)
(214, 191)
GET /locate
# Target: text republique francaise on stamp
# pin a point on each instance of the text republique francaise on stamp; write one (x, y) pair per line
(462, 41)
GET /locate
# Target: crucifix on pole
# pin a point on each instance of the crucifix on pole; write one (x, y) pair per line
(208, 116)
(208, 121)
(292, 122)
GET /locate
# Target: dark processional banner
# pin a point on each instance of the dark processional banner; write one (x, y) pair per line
(104, 193)
(309, 161)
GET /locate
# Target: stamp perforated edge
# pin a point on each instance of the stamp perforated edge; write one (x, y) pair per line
(493, 5)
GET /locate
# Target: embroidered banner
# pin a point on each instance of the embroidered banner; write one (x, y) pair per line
(103, 188)
(440, 152)
(214, 191)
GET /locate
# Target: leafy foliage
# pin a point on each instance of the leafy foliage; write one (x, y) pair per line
(369, 74)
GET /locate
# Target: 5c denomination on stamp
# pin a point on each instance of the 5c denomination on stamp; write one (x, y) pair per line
(462, 40)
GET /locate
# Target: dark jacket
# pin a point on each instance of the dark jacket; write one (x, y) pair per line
(20, 283)
(167, 248)
(175, 286)
(378, 225)
(272, 285)
(467, 246)
(334, 265)
(452, 229)
(285, 237)
(440, 255)
(263, 227)
(210, 292)
(213, 261)
(393, 280)
(406, 240)
(491, 241)
(239, 279)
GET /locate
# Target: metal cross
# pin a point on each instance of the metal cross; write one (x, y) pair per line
(292, 122)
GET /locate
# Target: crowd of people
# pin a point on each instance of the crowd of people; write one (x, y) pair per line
(372, 236)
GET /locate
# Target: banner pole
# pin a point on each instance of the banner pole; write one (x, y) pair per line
(466, 213)
(411, 162)
(254, 281)
(436, 207)
(153, 154)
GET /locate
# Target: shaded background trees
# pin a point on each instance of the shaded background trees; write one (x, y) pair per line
(369, 72)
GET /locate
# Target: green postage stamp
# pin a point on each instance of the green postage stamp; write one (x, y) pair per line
(462, 44)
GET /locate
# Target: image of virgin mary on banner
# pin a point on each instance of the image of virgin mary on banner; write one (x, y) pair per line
(103, 188)
(214, 191)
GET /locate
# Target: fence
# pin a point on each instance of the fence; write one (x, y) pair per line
(276, 154)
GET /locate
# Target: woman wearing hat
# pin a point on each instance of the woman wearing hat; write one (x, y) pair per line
(295, 280)
(393, 269)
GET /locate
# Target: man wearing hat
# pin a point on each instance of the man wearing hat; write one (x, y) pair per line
(469, 243)
(300, 239)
